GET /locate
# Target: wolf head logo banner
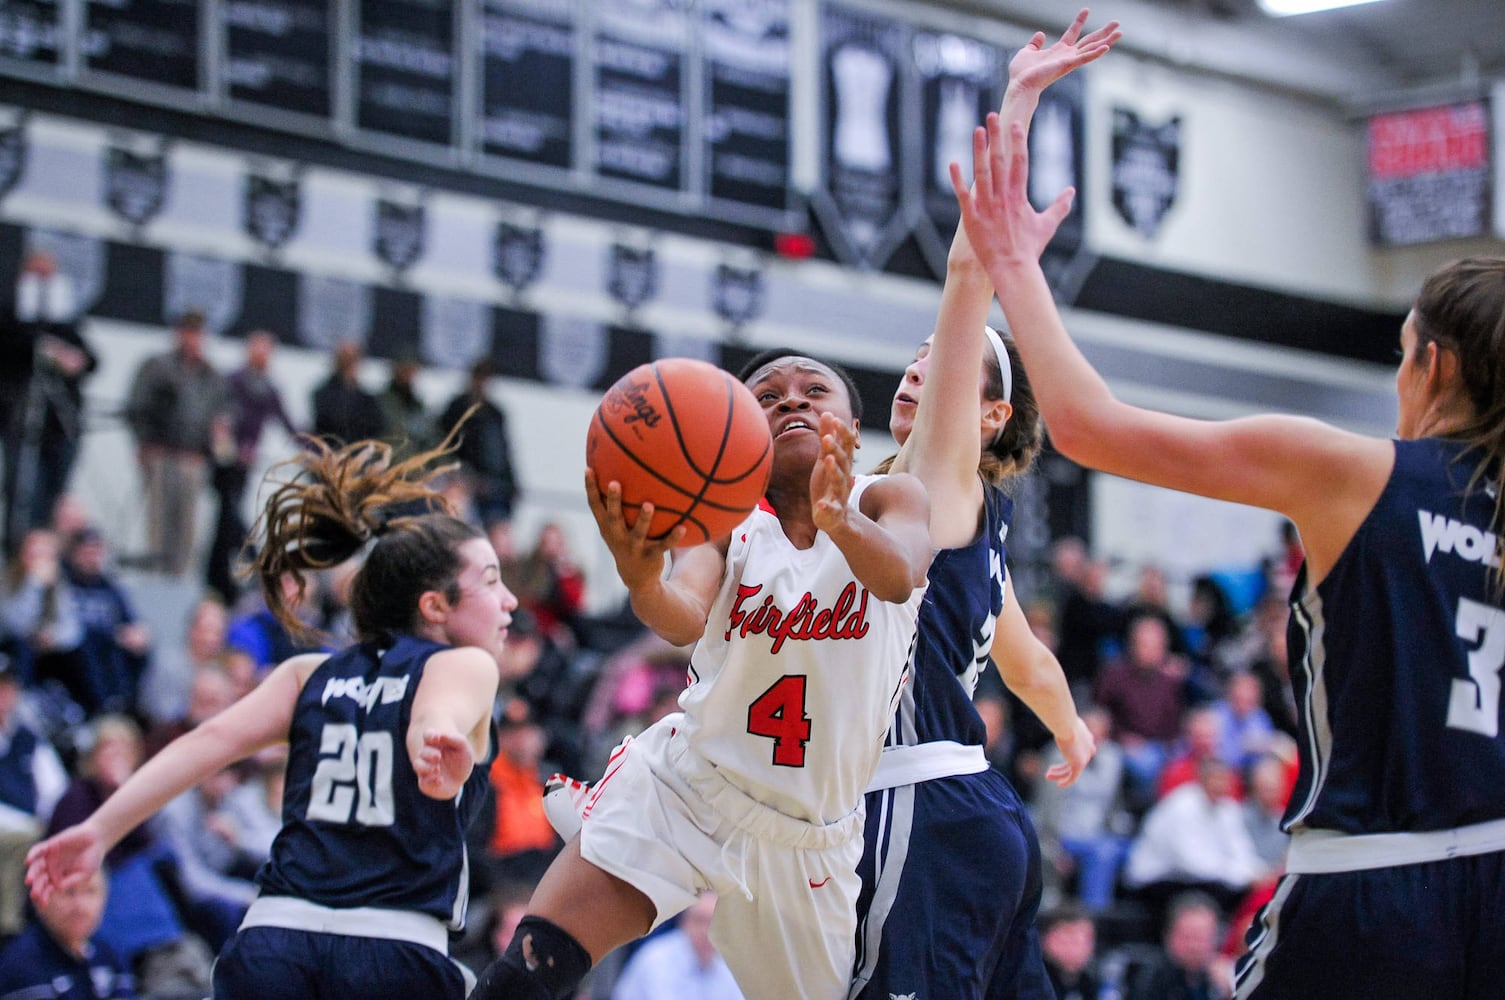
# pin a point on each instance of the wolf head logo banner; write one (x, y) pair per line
(399, 234)
(12, 156)
(632, 275)
(1146, 158)
(271, 209)
(517, 255)
(135, 183)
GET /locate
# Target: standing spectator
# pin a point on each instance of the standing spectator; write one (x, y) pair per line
(1068, 940)
(1195, 838)
(58, 957)
(179, 409)
(679, 964)
(343, 411)
(1144, 693)
(103, 674)
(1189, 967)
(44, 360)
(410, 428)
(485, 449)
(254, 402)
(32, 779)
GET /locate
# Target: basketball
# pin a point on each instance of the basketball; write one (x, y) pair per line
(687, 437)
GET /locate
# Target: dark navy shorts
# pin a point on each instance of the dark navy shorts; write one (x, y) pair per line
(950, 890)
(1411, 932)
(273, 963)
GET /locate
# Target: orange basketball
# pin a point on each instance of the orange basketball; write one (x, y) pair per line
(688, 438)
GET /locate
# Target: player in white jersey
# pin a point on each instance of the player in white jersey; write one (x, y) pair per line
(805, 619)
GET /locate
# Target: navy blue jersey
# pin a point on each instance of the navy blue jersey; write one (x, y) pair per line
(955, 634)
(356, 830)
(1395, 660)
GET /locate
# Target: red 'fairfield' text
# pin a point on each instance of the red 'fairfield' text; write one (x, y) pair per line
(808, 620)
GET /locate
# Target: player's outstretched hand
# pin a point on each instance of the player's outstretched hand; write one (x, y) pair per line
(1002, 226)
(1037, 66)
(831, 479)
(63, 861)
(443, 764)
(1077, 750)
(639, 558)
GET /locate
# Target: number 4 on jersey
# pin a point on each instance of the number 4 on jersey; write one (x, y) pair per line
(779, 714)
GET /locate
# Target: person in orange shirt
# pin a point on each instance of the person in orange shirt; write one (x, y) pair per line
(522, 843)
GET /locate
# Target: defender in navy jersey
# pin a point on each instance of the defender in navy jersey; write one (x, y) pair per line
(1395, 883)
(388, 744)
(951, 876)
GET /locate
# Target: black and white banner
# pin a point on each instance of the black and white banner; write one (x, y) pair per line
(1146, 162)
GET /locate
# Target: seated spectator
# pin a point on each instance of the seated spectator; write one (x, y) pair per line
(104, 673)
(1189, 966)
(37, 606)
(1144, 692)
(212, 692)
(168, 682)
(251, 814)
(1068, 943)
(522, 842)
(1083, 827)
(213, 875)
(1202, 738)
(551, 585)
(1195, 838)
(1247, 730)
(1269, 792)
(537, 669)
(139, 915)
(58, 957)
(1085, 619)
(259, 633)
(681, 962)
(32, 779)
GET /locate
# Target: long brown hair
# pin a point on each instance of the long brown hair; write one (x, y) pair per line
(339, 501)
(1462, 307)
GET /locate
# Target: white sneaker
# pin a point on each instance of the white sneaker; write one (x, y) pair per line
(564, 801)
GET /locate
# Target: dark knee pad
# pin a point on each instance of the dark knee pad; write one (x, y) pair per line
(543, 962)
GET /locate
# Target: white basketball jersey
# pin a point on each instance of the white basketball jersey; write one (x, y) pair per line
(793, 683)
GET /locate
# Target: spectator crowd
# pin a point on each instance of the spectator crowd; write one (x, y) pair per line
(1155, 859)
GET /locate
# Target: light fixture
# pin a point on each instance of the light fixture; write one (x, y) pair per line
(1287, 8)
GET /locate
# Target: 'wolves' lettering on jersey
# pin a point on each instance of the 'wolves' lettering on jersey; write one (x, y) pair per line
(806, 621)
(1456, 538)
(384, 689)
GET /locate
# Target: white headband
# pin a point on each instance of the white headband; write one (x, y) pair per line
(1004, 368)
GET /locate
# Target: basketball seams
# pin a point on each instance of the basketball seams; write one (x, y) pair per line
(706, 477)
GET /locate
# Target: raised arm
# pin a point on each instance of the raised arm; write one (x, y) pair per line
(942, 447)
(1032, 672)
(258, 720)
(675, 608)
(1266, 461)
(886, 536)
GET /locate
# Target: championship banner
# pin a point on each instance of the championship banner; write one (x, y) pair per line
(1429, 174)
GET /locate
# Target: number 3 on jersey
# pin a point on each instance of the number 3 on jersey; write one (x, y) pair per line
(779, 714)
(1475, 703)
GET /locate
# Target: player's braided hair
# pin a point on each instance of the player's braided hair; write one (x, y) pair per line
(1462, 307)
(338, 501)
